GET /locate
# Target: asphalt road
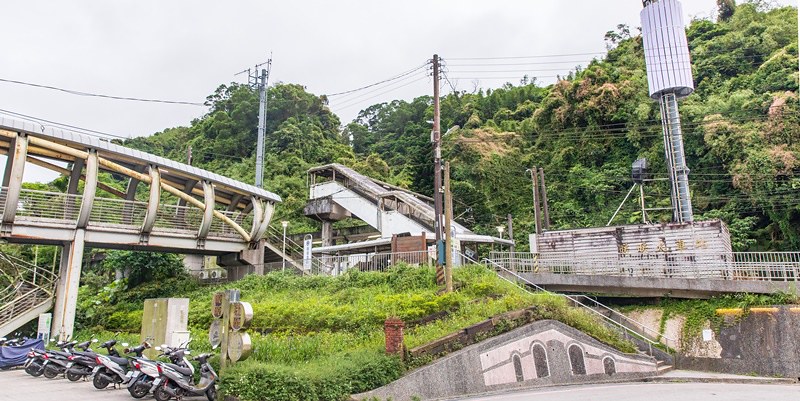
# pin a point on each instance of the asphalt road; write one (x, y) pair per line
(16, 385)
(656, 392)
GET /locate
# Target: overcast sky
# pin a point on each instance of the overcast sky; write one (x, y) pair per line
(182, 50)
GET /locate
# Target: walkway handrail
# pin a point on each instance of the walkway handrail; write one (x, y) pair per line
(611, 321)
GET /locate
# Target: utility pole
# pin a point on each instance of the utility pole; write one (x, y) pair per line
(189, 155)
(260, 82)
(448, 235)
(437, 172)
(512, 248)
(536, 217)
(544, 200)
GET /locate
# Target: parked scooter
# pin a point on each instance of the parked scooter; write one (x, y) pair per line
(102, 375)
(81, 363)
(55, 361)
(116, 370)
(145, 377)
(178, 381)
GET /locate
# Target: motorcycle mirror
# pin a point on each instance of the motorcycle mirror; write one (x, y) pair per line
(94, 340)
(158, 348)
(52, 340)
(214, 347)
(125, 344)
(187, 352)
(164, 346)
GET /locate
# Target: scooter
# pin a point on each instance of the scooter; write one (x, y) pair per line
(178, 381)
(104, 372)
(145, 377)
(55, 362)
(81, 363)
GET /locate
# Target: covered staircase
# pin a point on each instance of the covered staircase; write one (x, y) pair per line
(31, 292)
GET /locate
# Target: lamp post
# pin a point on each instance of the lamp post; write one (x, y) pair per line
(285, 224)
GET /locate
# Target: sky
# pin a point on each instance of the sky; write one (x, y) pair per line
(183, 50)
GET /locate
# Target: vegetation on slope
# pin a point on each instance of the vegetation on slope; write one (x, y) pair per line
(322, 337)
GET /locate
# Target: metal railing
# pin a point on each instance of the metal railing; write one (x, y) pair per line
(62, 207)
(625, 330)
(33, 286)
(379, 261)
(765, 266)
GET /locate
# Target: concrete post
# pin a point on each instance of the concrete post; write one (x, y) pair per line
(327, 233)
(13, 178)
(69, 275)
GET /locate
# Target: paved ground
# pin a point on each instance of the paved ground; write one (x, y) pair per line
(656, 392)
(17, 385)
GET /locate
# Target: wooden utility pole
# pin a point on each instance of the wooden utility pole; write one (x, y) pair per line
(437, 172)
(536, 214)
(511, 248)
(544, 200)
(448, 235)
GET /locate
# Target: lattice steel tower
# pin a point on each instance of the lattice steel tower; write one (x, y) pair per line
(669, 76)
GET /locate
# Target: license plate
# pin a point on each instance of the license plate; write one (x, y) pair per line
(28, 362)
(69, 364)
(94, 371)
(156, 382)
(130, 374)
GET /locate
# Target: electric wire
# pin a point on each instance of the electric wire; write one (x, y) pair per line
(81, 93)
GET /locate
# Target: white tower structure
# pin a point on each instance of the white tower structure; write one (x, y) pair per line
(669, 76)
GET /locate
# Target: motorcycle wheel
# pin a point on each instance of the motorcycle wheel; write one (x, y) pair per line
(161, 394)
(99, 382)
(139, 390)
(50, 371)
(73, 376)
(211, 393)
(34, 370)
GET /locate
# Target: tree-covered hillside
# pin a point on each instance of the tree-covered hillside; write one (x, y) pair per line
(741, 130)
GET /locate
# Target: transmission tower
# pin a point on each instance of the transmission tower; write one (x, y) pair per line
(259, 81)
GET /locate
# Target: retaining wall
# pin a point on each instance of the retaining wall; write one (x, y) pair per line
(542, 353)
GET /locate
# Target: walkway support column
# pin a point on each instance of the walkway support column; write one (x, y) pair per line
(69, 275)
(152, 202)
(13, 178)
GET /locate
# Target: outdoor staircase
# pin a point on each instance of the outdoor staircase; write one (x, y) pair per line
(648, 341)
(293, 255)
(31, 293)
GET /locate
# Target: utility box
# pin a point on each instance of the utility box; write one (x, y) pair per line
(639, 171)
(165, 321)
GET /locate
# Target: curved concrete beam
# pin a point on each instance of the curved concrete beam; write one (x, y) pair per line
(153, 201)
(89, 189)
(269, 210)
(258, 215)
(208, 213)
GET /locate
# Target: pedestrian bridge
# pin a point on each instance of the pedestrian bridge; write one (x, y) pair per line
(152, 203)
(675, 274)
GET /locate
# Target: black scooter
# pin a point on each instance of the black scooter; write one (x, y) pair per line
(81, 363)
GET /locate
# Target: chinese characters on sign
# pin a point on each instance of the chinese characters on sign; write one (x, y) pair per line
(662, 246)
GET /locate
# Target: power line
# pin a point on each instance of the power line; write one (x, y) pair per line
(80, 93)
(56, 124)
(379, 82)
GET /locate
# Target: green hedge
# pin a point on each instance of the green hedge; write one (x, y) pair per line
(332, 379)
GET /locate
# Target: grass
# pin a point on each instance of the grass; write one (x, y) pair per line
(322, 337)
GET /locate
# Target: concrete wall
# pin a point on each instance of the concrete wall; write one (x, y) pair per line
(766, 342)
(507, 362)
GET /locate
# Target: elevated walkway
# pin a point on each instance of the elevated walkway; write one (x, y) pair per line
(338, 192)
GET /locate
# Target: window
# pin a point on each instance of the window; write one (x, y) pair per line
(540, 361)
(609, 367)
(517, 367)
(576, 360)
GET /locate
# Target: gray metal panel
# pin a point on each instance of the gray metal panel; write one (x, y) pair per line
(108, 148)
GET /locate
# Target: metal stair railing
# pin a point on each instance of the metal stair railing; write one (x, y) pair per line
(35, 285)
(608, 320)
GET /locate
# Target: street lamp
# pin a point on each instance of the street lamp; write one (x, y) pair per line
(284, 224)
(500, 230)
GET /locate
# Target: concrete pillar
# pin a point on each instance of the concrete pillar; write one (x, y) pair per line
(15, 168)
(327, 233)
(89, 189)
(153, 201)
(69, 276)
(208, 213)
(393, 331)
(72, 188)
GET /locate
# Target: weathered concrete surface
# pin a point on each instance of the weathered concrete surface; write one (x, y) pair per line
(763, 343)
(654, 286)
(507, 362)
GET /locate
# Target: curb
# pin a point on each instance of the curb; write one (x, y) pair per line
(731, 380)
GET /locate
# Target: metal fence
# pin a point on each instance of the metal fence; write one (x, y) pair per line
(766, 266)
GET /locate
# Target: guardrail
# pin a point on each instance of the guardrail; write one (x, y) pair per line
(764, 266)
(670, 343)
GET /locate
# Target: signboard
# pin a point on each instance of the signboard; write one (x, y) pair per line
(307, 252)
(239, 346)
(43, 331)
(241, 315)
(215, 333)
(216, 304)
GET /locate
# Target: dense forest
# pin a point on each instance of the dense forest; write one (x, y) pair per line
(741, 130)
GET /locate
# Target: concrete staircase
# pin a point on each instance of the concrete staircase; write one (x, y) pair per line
(31, 293)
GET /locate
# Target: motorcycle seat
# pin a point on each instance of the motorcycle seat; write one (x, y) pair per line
(61, 354)
(119, 361)
(180, 369)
